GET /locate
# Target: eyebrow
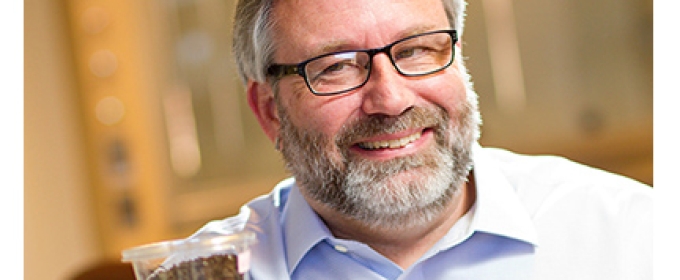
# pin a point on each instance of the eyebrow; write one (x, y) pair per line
(341, 44)
(332, 46)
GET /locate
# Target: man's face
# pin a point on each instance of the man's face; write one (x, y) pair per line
(393, 150)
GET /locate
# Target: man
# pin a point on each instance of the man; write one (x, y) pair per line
(373, 111)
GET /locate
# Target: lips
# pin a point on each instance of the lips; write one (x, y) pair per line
(391, 144)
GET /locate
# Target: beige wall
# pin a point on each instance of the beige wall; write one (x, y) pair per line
(59, 236)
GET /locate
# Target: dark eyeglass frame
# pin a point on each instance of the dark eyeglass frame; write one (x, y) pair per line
(278, 71)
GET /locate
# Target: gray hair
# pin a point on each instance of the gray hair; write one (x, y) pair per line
(253, 43)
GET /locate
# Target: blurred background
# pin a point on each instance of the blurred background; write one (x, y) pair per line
(137, 130)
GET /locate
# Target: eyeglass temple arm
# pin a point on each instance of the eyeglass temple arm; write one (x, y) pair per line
(280, 70)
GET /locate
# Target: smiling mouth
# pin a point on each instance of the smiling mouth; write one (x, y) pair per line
(391, 144)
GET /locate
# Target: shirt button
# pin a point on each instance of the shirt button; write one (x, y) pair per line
(340, 248)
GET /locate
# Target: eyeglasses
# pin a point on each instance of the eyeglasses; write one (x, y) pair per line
(343, 71)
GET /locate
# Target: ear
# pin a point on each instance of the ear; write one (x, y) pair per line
(261, 102)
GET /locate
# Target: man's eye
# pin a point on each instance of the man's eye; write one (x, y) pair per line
(335, 67)
(336, 72)
(405, 53)
(411, 52)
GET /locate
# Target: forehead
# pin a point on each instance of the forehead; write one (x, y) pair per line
(304, 28)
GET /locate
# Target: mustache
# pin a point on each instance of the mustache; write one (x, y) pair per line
(373, 125)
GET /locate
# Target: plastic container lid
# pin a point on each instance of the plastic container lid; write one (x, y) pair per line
(236, 242)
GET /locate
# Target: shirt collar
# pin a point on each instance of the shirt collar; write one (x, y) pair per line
(303, 228)
(498, 208)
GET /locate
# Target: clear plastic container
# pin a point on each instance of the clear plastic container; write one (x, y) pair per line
(207, 258)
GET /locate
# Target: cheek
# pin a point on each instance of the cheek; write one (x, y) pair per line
(447, 90)
(323, 115)
(332, 116)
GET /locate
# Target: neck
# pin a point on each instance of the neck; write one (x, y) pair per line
(402, 246)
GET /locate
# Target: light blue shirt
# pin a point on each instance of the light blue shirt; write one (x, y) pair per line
(535, 217)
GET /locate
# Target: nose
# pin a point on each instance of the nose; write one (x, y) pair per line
(385, 92)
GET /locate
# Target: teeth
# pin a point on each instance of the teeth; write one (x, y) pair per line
(392, 144)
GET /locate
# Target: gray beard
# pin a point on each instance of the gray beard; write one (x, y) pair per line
(371, 192)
